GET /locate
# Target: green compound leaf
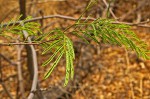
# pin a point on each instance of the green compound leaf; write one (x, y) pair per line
(80, 36)
(52, 45)
(43, 36)
(70, 56)
(94, 30)
(118, 34)
(14, 27)
(52, 57)
(54, 65)
(67, 68)
(62, 45)
(87, 33)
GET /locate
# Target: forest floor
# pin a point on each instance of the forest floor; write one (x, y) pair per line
(101, 72)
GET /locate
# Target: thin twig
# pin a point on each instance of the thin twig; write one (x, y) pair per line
(6, 90)
(8, 60)
(22, 43)
(72, 19)
(9, 44)
(110, 10)
(133, 24)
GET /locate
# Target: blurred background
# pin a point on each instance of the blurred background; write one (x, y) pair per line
(101, 71)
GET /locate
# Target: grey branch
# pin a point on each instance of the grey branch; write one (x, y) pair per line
(8, 60)
(73, 19)
(35, 65)
(110, 10)
(22, 43)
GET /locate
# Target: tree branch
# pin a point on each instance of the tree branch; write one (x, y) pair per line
(22, 43)
(8, 60)
(72, 19)
(110, 10)
(35, 65)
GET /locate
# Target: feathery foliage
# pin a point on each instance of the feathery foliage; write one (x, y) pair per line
(98, 30)
(116, 34)
(16, 28)
(61, 45)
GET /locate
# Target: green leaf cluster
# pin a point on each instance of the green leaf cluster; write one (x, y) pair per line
(61, 46)
(100, 30)
(117, 34)
(14, 27)
(58, 42)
